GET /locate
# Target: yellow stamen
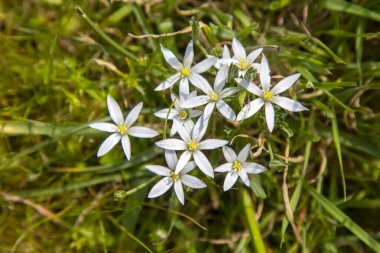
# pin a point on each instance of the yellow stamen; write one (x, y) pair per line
(237, 166)
(185, 71)
(192, 145)
(268, 95)
(173, 176)
(183, 115)
(243, 64)
(213, 96)
(122, 129)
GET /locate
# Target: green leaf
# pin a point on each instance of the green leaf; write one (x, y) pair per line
(343, 6)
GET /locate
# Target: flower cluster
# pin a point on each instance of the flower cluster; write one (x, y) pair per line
(187, 106)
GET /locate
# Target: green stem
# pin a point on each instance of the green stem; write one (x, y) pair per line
(254, 230)
(104, 36)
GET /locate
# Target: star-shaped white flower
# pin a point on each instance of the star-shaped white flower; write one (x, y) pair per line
(185, 72)
(174, 175)
(214, 96)
(122, 128)
(240, 58)
(238, 166)
(267, 96)
(192, 145)
(183, 115)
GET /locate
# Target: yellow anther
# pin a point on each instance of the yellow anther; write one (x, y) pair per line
(185, 71)
(237, 166)
(192, 145)
(122, 128)
(213, 96)
(243, 64)
(268, 95)
(173, 176)
(183, 115)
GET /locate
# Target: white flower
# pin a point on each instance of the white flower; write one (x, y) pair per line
(174, 175)
(183, 115)
(122, 128)
(225, 60)
(185, 72)
(214, 96)
(192, 145)
(240, 58)
(238, 167)
(267, 96)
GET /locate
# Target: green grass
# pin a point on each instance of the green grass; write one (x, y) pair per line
(60, 59)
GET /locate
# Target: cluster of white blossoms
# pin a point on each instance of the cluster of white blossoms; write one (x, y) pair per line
(187, 106)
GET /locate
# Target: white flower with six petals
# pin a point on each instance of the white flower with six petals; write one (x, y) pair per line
(122, 128)
(174, 175)
(238, 166)
(185, 72)
(267, 96)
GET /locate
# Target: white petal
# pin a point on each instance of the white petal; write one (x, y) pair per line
(126, 146)
(224, 167)
(188, 167)
(142, 132)
(108, 144)
(220, 79)
(200, 128)
(179, 191)
(173, 130)
(115, 111)
(192, 182)
(171, 159)
(189, 55)
(182, 131)
(226, 52)
(254, 168)
(133, 115)
(229, 92)
(203, 164)
(200, 82)
(159, 170)
(172, 144)
(183, 161)
(288, 104)
(166, 113)
(189, 125)
(184, 86)
(229, 154)
(170, 58)
(104, 126)
(227, 62)
(264, 73)
(160, 188)
(250, 109)
(195, 113)
(168, 82)
(204, 65)
(244, 177)
(208, 112)
(238, 49)
(285, 84)
(230, 180)
(225, 110)
(256, 66)
(269, 116)
(195, 101)
(251, 87)
(212, 144)
(253, 55)
(244, 153)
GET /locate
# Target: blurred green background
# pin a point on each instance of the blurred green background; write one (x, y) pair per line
(57, 67)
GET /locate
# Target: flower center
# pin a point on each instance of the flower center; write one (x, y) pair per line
(243, 64)
(185, 71)
(213, 96)
(183, 115)
(174, 176)
(192, 145)
(237, 166)
(122, 129)
(268, 95)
